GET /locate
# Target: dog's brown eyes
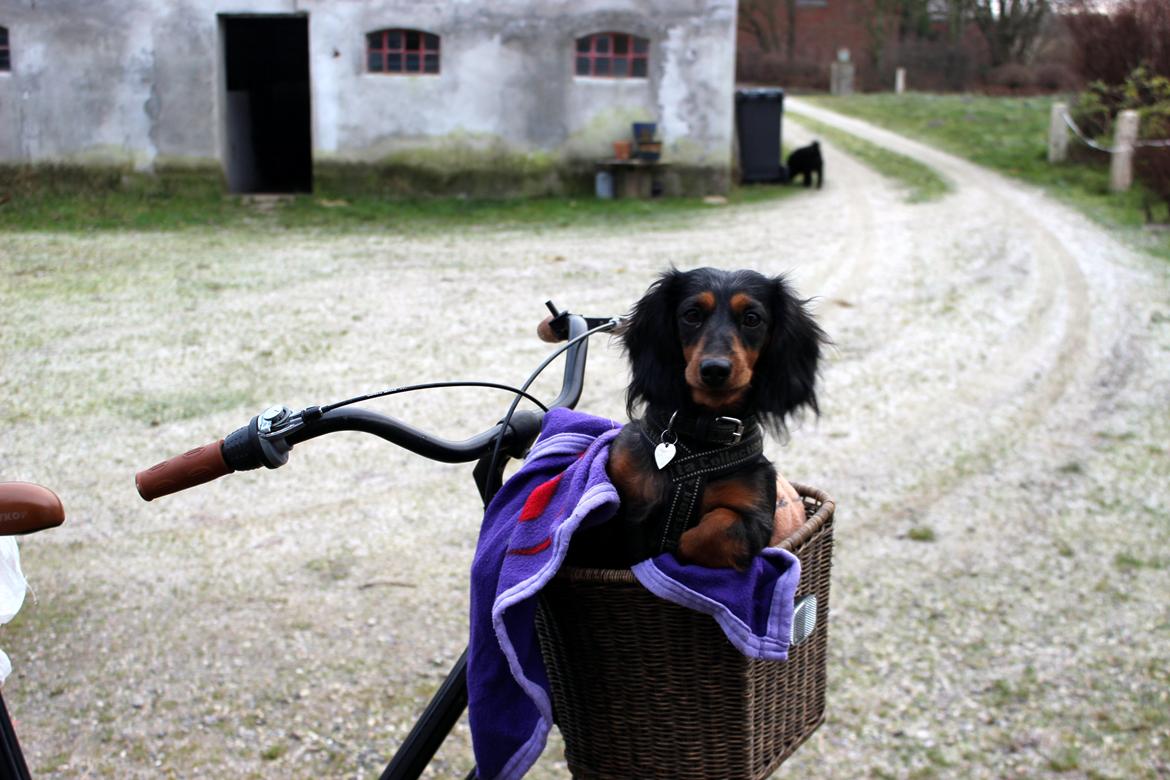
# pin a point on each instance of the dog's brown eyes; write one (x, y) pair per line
(693, 317)
(752, 320)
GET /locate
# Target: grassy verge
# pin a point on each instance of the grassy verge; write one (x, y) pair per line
(922, 183)
(439, 214)
(1010, 135)
(145, 210)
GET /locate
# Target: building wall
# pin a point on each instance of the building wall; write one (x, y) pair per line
(139, 82)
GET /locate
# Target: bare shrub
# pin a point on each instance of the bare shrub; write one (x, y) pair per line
(931, 65)
(1112, 44)
(1012, 76)
(1054, 77)
(771, 68)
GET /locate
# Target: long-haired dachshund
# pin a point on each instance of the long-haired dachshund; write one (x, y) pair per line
(715, 357)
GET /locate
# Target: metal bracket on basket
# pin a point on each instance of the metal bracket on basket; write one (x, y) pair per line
(804, 620)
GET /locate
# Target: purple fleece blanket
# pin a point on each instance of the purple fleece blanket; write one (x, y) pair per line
(562, 487)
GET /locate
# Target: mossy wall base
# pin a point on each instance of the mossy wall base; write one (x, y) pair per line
(392, 179)
(58, 179)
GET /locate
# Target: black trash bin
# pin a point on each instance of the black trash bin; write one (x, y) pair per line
(758, 116)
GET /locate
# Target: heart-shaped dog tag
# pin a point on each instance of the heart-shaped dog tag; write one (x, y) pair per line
(664, 454)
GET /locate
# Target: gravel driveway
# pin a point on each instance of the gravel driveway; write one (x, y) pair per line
(994, 428)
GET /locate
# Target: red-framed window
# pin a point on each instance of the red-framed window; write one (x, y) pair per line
(5, 52)
(612, 55)
(402, 51)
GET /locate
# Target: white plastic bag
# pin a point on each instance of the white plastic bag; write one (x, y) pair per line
(12, 589)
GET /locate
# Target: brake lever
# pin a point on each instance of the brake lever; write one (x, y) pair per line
(556, 327)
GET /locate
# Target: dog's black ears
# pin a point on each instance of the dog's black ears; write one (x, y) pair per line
(649, 338)
(786, 372)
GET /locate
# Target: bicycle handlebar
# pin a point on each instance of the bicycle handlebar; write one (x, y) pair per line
(192, 468)
(546, 332)
(410, 438)
(268, 437)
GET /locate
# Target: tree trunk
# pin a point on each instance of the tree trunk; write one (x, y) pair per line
(791, 5)
(1010, 27)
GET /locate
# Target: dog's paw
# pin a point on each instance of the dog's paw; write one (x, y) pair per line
(718, 542)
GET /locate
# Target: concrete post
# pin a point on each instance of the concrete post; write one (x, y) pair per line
(841, 78)
(1124, 136)
(1057, 134)
(899, 81)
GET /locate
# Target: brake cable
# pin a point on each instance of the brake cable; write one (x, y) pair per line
(431, 386)
(507, 421)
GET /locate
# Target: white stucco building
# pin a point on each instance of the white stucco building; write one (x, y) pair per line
(279, 93)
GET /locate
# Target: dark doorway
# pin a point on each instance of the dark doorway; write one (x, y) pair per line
(269, 146)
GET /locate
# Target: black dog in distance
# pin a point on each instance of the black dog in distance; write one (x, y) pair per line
(806, 161)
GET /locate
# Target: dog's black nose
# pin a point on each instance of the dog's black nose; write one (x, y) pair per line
(714, 371)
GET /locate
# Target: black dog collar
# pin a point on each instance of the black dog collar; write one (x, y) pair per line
(714, 430)
(704, 431)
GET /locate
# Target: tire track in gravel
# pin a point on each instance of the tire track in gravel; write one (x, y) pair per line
(857, 249)
(1023, 367)
(1043, 331)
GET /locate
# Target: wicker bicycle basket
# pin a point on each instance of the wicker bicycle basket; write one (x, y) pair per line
(643, 688)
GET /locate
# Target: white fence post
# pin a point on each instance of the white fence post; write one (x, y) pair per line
(1057, 134)
(1121, 169)
(899, 81)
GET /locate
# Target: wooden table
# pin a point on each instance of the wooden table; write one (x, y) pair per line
(634, 178)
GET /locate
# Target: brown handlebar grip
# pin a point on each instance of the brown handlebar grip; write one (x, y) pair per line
(25, 508)
(546, 332)
(179, 473)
